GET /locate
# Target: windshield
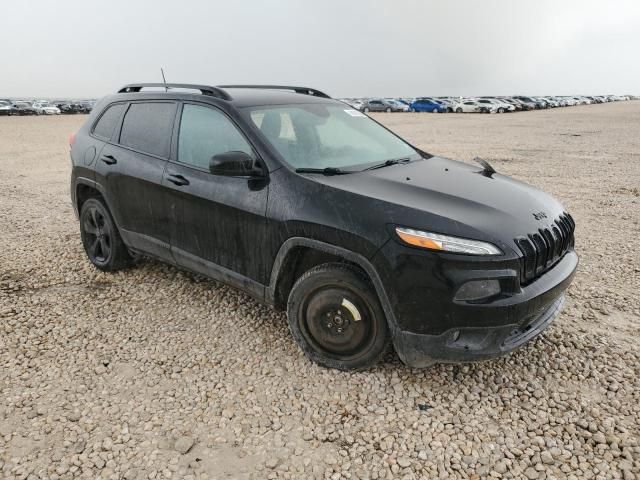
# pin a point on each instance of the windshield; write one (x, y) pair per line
(327, 135)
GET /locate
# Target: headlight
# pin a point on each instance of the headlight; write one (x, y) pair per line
(445, 243)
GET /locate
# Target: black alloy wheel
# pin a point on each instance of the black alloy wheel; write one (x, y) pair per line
(100, 237)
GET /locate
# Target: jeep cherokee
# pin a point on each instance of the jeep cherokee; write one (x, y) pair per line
(313, 207)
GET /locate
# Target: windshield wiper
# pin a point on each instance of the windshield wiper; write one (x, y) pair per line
(388, 163)
(323, 171)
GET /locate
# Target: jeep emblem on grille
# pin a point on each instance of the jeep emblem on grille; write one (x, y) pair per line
(539, 215)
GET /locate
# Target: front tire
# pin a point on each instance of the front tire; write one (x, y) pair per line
(365, 109)
(101, 239)
(336, 319)
(458, 110)
(388, 110)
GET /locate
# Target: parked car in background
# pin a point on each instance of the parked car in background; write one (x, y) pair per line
(381, 105)
(473, 106)
(448, 103)
(501, 105)
(515, 102)
(6, 108)
(526, 104)
(24, 108)
(530, 100)
(66, 107)
(86, 106)
(46, 109)
(403, 107)
(552, 102)
(425, 104)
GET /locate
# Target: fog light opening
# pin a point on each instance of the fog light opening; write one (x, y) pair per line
(475, 290)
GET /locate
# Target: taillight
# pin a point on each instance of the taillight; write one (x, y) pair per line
(72, 139)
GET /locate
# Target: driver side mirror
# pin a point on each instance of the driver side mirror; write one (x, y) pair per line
(233, 164)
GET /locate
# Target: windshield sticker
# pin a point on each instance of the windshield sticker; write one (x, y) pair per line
(355, 113)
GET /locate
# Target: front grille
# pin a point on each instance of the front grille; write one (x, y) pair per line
(543, 249)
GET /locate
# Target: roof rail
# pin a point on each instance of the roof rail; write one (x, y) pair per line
(302, 90)
(204, 89)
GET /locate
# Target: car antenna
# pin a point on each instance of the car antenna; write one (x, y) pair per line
(164, 80)
(488, 170)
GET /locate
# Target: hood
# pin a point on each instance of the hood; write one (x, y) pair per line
(452, 197)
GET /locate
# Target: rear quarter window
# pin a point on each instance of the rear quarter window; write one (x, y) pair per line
(108, 121)
(147, 127)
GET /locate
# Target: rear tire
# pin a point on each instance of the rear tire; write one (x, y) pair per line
(365, 109)
(336, 319)
(388, 110)
(100, 237)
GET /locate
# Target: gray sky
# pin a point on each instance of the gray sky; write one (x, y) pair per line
(87, 48)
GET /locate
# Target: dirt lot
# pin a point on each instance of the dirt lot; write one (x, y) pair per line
(156, 373)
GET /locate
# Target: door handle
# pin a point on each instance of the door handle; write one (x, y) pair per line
(109, 159)
(177, 179)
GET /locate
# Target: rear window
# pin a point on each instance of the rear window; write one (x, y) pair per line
(108, 121)
(147, 127)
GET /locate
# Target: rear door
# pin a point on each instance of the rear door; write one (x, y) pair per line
(221, 223)
(132, 165)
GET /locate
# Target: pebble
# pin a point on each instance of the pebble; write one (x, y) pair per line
(121, 375)
(184, 444)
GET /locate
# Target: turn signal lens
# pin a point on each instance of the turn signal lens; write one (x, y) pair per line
(445, 243)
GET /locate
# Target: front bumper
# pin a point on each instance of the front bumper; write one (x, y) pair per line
(473, 332)
(472, 344)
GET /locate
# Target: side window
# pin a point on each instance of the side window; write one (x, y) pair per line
(205, 132)
(108, 121)
(147, 127)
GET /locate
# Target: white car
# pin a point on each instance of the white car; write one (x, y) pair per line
(46, 109)
(473, 106)
(501, 105)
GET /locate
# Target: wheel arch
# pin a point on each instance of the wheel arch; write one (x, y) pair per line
(287, 268)
(86, 188)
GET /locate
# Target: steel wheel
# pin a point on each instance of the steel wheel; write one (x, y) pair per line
(335, 322)
(336, 318)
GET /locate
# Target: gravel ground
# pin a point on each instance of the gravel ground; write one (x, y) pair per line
(157, 373)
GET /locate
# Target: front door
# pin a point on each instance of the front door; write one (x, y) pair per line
(221, 224)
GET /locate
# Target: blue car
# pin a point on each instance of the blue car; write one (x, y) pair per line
(427, 105)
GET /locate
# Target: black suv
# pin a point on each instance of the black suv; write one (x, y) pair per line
(313, 207)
